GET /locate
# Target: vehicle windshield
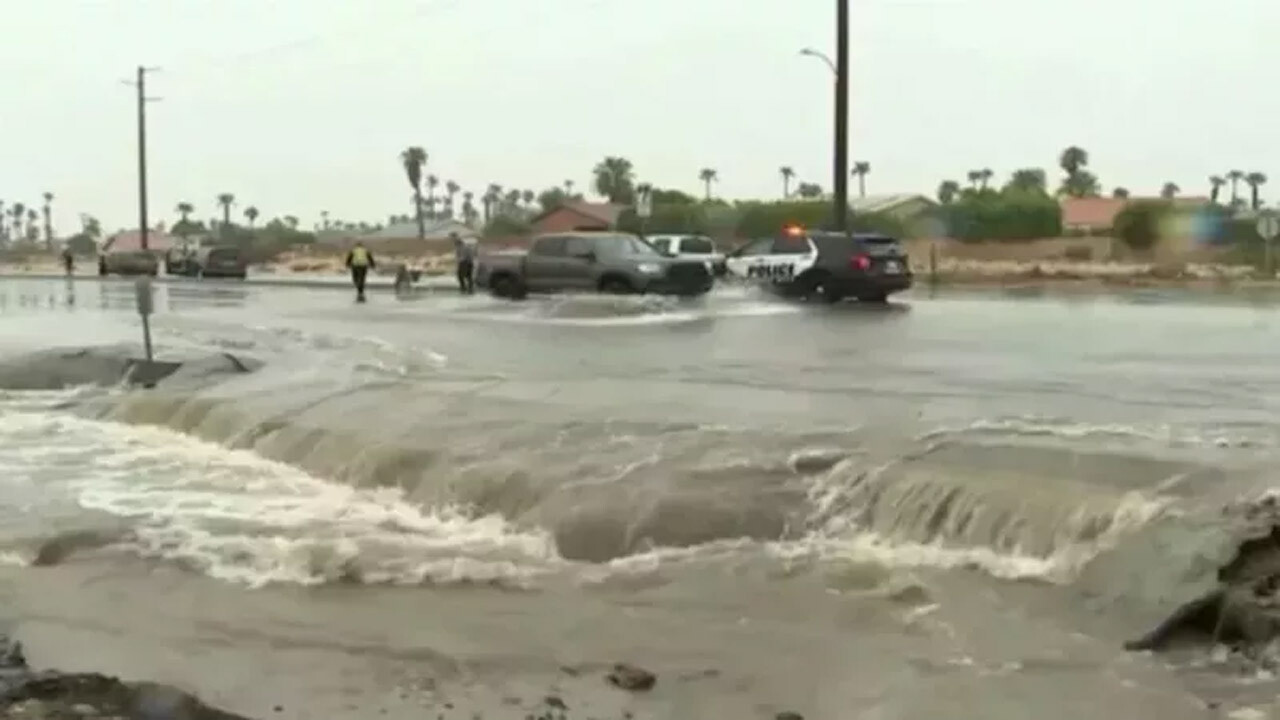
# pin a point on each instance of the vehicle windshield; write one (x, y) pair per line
(697, 245)
(629, 245)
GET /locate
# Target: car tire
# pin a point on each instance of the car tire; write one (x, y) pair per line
(820, 288)
(506, 286)
(616, 286)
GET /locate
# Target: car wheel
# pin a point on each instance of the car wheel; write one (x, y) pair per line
(505, 286)
(822, 289)
(615, 286)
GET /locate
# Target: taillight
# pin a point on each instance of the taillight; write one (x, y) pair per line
(860, 262)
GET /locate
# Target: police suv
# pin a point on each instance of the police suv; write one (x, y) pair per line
(826, 265)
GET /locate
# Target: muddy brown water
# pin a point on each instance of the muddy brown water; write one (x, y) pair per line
(956, 506)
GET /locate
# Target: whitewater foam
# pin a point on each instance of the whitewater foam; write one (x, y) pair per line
(239, 517)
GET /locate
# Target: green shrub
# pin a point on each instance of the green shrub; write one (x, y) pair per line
(1139, 224)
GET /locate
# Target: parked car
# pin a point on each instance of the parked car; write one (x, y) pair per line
(607, 262)
(826, 265)
(128, 262)
(218, 261)
(691, 247)
(178, 260)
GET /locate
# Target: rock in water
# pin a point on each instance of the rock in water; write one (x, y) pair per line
(51, 695)
(630, 677)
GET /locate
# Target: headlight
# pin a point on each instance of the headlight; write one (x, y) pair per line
(650, 268)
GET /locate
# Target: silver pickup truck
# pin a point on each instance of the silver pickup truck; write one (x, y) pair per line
(608, 262)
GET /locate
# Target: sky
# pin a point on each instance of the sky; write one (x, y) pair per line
(303, 106)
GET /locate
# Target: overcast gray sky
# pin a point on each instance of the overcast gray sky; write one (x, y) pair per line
(298, 106)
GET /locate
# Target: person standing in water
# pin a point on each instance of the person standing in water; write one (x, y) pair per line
(465, 253)
(68, 261)
(360, 261)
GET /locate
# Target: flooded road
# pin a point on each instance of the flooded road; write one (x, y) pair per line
(957, 505)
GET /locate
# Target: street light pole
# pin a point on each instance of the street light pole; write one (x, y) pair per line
(840, 167)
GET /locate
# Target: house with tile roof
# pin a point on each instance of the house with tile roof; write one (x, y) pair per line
(578, 215)
(158, 241)
(904, 206)
(1096, 216)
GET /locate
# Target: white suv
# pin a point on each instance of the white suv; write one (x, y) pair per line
(690, 247)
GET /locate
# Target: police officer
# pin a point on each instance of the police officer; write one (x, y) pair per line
(360, 261)
(464, 252)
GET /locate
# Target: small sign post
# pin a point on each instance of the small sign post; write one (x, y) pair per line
(1268, 229)
(143, 294)
(644, 205)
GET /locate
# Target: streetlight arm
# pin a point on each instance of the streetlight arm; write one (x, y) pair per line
(821, 56)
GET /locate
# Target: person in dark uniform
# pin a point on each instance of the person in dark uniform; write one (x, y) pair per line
(360, 261)
(68, 261)
(465, 253)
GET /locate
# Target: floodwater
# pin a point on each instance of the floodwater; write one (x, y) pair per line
(957, 506)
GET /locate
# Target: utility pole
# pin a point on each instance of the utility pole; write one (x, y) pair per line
(141, 84)
(840, 169)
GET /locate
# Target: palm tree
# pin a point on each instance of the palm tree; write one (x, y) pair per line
(528, 196)
(511, 201)
(1255, 180)
(1170, 190)
(49, 219)
(1234, 177)
(433, 182)
(615, 179)
(414, 159)
(1215, 187)
(291, 222)
(1073, 160)
(861, 169)
(489, 201)
(18, 211)
(568, 188)
(1028, 180)
(1079, 181)
(468, 207)
(947, 191)
(974, 177)
(984, 177)
(451, 189)
(809, 191)
(184, 210)
(707, 176)
(226, 200)
(251, 214)
(787, 173)
(1120, 193)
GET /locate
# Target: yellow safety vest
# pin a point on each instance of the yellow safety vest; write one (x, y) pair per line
(359, 257)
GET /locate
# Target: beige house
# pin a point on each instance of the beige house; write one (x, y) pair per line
(904, 206)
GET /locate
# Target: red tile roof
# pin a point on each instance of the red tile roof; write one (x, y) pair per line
(602, 212)
(1097, 213)
(132, 240)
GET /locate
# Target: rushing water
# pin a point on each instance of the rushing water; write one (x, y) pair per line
(955, 506)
